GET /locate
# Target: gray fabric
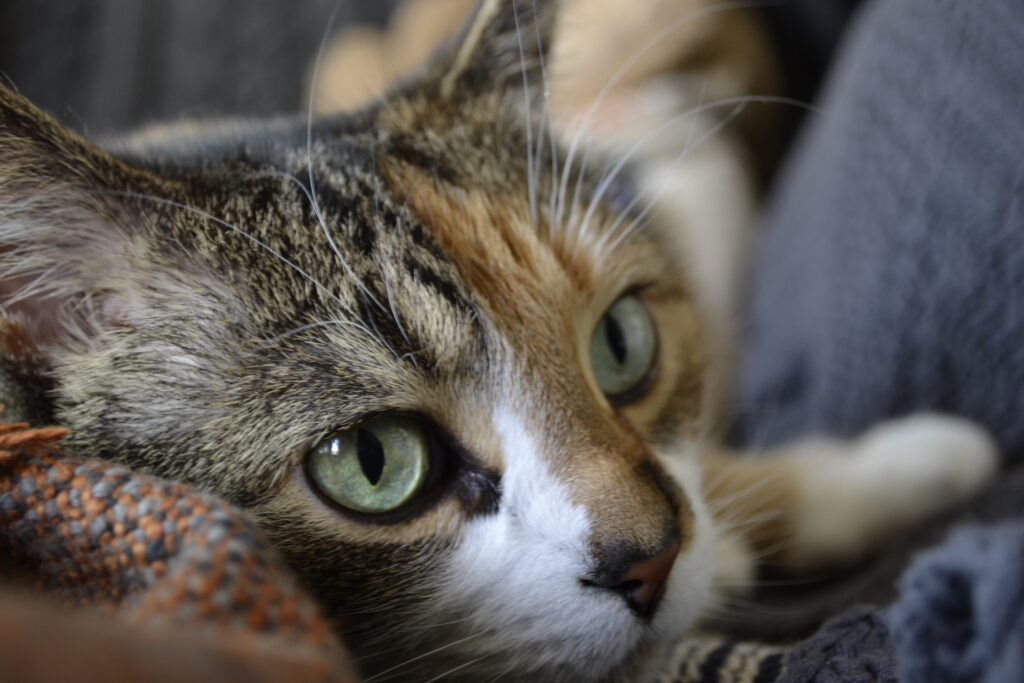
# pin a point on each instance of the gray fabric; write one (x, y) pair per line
(890, 280)
(961, 619)
(104, 65)
(851, 648)
(891, 272)
(792, 610)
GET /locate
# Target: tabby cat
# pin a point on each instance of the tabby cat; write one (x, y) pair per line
(463, 401)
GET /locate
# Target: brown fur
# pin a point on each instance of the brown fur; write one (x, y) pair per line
(208, 308)
(176, 300)
(532, 291)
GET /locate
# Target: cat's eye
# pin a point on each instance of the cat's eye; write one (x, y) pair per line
(374, 467)
(624, 348)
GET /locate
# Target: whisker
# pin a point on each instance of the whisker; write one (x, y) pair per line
(600, 248)
(546, 117)
(726, 603)
(503, 673)
(531, 178)
(606, 182)
(439, 624)
(795, 582)
(355, 278)
(454, 669)
(772, 550)
(37, 287)
(275, 173)
(223, 223)
(314, 201)
(542, 132)
(417, 658)
(620, 73)
(690, 144)
(258, 242)
(718, 504)
(394, 312)
(383, 260)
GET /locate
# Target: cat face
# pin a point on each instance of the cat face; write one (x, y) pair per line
(447, 388)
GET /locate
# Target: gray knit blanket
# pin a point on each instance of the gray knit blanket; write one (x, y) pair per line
(890, 280)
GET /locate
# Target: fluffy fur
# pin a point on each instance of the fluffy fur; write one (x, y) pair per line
(205, 306)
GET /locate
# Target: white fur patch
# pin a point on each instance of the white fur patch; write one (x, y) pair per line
(518, 571)
(515, 575)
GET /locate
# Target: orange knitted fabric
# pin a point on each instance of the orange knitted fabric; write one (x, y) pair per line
(179, 563)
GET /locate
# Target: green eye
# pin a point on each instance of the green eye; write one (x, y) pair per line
(374, 467)
(624, 348)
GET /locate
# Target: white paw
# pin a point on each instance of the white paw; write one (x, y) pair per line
(896, 475)
(914, 467)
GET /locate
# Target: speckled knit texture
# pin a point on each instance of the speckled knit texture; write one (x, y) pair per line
(851, 648)
(152, 553)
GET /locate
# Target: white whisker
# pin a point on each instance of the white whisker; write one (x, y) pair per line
(531, 179)
(454, 669)
(314, 201)
(223, 223)
(263, 245)
(601, 248)
(618, 76)
(606, 181)
(546, 119)
(386, 258)
(421, 656)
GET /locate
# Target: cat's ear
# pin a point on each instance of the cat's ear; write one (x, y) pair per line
(502, 47)
(70, 239)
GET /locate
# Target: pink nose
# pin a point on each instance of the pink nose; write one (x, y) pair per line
(642, 585)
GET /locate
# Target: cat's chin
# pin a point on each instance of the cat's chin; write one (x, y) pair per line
(618, 648)
(543, 629)
(554, 662)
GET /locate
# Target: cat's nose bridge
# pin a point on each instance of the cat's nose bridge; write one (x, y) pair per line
(630, 501)
(608, 471)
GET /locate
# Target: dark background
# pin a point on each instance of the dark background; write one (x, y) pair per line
(103, 65)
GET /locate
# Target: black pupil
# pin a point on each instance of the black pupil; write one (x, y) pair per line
(616, 339)
(371, 455)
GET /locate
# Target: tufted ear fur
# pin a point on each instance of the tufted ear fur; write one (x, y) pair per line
(502, 47)
(72, 243)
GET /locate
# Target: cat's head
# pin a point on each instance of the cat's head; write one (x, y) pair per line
(445, 373)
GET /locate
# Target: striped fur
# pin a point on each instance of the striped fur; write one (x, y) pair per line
(229, 294)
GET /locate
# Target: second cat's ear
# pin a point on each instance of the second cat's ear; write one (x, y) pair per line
(502, 47)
